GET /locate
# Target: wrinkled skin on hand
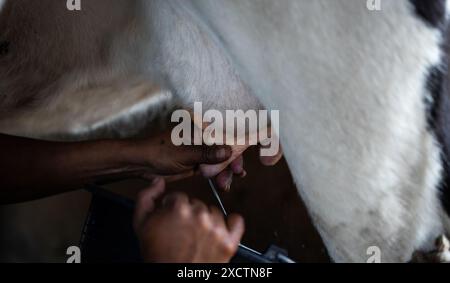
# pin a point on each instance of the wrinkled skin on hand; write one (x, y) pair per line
(224, 172)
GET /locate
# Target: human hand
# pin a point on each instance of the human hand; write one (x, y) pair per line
(184, 230)
(160, 157)
(224, 172)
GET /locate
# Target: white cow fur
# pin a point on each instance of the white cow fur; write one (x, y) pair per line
(349, 84)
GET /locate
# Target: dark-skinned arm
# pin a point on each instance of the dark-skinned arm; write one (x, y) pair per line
(32, 169)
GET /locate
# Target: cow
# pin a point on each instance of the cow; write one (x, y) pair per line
(359, 86)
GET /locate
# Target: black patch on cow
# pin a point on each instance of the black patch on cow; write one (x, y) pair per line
(445, 183)
(434, 86)
(4, 48)
(439, 123)
(431, 11)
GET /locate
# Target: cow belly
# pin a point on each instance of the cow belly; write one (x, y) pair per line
(353, 117)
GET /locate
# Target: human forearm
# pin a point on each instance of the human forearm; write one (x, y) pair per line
(33, 169)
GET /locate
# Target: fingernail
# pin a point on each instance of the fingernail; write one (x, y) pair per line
(228, 186)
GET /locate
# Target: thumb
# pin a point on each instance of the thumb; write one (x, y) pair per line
(236, 228)
(145, 203)
(208, 155)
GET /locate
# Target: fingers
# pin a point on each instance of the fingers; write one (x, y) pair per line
(146, 201)
(210, 171)
(198, 206)
(225, 179)
(206, 154)
(216, 214)
(237, 166)
(236, 228)
(216, 154)
(175, 200)
(228, 233)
